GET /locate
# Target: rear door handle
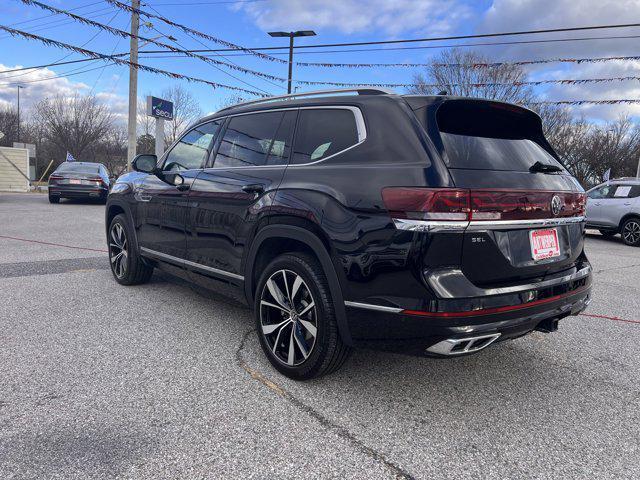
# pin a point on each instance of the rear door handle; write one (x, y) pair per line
(627, 203)
(253, 188)
(597, 204)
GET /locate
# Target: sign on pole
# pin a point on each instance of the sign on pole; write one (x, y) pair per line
(606, 175)
(159, 108)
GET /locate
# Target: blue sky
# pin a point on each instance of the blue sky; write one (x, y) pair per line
(247, 22)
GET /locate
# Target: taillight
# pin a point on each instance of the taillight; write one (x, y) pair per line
(427, 203)
(451, 204)
(55, 177)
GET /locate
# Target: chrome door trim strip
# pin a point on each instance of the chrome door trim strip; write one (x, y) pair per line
(505, 224)
(446, 284)
(429, 225)
(189, 263)
(369, 306)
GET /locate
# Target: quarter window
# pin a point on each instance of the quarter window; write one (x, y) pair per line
(323, 132)
(192, 150)
(256, 139)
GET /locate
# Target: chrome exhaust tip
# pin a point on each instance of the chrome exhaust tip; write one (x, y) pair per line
(460, 346)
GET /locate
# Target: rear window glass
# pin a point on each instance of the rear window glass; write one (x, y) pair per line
(78, 168)
(487, 136)
(323, 132)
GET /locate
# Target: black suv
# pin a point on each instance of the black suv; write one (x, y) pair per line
(430, 225)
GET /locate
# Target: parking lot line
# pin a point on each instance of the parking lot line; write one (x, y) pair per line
(54, 244)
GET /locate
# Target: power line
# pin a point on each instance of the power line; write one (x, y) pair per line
(566, 81)
(472, 65)
(119, 61)
(123, 34)
(423, 47)
(193, 31)
(53, 14)
(223, 2)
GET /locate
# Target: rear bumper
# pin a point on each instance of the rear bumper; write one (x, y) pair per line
(78, 192)
(413, 332)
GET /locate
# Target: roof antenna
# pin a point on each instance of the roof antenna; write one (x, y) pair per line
(443, 92)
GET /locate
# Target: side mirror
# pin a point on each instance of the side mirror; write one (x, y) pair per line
(145, 163)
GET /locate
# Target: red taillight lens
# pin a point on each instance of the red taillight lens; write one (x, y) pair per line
(451, 204)
(427, 203)
(524, 205)
(55, 177)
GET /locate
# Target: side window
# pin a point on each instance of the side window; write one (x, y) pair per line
(635, 191)
(256, 139)
(192, 149)
(626, 191)
(603, 192)
(323, 132)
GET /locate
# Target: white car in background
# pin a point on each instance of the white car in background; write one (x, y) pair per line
(614, 207)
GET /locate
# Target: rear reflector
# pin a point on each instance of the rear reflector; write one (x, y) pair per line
(450, 204)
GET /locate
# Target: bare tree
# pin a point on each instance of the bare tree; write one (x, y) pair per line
(453, 71)
(8, 126)
(145, 123)
(73, 124)
(186, 110)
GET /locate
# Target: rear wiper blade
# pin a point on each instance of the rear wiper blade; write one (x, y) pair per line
(544, 168)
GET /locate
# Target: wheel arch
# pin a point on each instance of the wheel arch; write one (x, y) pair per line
(287, 238)
(626, 217)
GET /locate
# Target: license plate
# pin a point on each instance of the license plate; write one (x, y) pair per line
(75, 181)
(544, 243)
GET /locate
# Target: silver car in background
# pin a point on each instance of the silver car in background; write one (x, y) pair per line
(614, 207)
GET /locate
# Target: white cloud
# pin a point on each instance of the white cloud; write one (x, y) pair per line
(35, 89)
(374, 17)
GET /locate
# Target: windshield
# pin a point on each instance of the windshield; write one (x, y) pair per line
(78, 168)
(484, 153)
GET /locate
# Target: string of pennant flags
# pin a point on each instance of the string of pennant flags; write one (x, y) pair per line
(119, 61)
(578, 81)
(472, 65)
(192, 31)
(627, 101)
(123, 34)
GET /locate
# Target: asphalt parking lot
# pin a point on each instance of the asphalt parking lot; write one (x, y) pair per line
(164, 381)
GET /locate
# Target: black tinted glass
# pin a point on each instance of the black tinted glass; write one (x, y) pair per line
(78, 168)
(193, 148)
(489, 153)
(322, 133)
(256, 139)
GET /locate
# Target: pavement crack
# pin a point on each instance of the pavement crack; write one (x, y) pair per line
(397, 471)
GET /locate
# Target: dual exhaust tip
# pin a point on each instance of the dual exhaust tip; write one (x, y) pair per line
(461, 346)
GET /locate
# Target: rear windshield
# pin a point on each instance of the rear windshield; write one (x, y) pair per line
(488, 136)
(78, 168)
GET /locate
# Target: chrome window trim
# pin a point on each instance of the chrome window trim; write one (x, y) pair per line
(357, 114)
(369, 306)
(182, 261)
(456, 280)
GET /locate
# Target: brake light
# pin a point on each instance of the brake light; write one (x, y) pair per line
(451, 204)
(427, 203)
(55, 177)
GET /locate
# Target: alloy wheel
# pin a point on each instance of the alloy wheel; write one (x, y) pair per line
(118, 250)
(631, 232)
(288, 317)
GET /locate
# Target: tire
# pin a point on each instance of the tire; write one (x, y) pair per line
(307, 285)
(54, 199)
(630, 232)
(128, 268)
(608, 233)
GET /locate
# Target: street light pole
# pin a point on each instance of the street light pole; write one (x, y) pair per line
(292, 35)
(19, 87)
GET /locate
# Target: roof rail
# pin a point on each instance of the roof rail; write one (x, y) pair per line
(359, 91)
(626, 179)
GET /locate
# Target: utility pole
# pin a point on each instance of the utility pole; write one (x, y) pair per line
(133, 82)
(19, 87)
(292, 35)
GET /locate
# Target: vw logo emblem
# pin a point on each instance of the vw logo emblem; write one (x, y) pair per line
(556, 205)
